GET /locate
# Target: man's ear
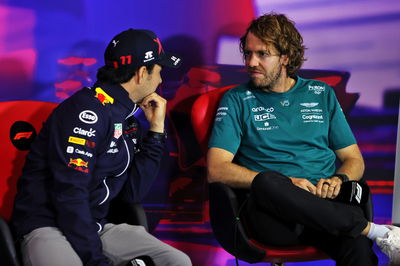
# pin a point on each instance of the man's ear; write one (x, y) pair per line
(284, 60)
(141, 74)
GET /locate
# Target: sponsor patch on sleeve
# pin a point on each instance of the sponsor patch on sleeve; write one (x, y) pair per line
(103, 97)
(117, 130)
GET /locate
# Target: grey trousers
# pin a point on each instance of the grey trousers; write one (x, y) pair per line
(47, 246)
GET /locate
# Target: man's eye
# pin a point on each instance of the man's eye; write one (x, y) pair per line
(263, 54)
(246, 53)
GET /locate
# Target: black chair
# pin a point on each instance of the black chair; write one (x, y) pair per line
(231, 232)
(225, 201)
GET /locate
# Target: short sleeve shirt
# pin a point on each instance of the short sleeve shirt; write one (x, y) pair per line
(294, 133)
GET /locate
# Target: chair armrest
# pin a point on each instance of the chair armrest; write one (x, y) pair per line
(227, 226)
(125, 212)
(8, 254)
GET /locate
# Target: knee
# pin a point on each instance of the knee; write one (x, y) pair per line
(177, 258)
(269, 181)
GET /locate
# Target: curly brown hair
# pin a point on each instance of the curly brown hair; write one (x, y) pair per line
(278, 30)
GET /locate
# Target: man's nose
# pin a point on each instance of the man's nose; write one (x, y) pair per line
(252, 60)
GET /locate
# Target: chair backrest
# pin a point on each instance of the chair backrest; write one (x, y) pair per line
(203, 112)
(21, 120)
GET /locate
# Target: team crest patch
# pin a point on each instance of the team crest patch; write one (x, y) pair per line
(103, 97)
(117, 130)
(79, 164)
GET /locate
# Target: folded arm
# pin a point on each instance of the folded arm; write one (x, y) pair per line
(221, 169)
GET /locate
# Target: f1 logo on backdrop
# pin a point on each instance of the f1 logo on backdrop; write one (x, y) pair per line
(22, 134)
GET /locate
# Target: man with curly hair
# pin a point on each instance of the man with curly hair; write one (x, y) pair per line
(285, 134)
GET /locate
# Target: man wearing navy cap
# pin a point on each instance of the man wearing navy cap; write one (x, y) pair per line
(91, 150)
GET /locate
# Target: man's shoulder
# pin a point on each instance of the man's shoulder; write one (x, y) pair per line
(314, 86)
(241, 91)
(312, 82)
(84, 98)
(83, 104)
(239, 88)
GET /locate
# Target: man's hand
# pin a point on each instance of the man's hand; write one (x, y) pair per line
(329, 188)
(154, 108)
(304, 184)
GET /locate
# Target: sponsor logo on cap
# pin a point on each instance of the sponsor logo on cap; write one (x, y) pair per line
(114, 42)
(103, 97)
(176, 60)
(148, 56)
(88, 117)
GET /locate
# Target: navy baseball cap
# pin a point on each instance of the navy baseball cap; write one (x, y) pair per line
(135, 48)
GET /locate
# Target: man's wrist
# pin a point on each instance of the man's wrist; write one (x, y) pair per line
(342, 177)
(157, 135)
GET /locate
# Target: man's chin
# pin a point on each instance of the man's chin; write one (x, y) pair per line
(257, 85)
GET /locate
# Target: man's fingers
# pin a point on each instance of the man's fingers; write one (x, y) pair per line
(336, 191)
(312, 188)
(304, 184)
(153, 98)
(322, 188)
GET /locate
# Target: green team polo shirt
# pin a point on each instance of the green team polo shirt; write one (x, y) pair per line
(294, 133)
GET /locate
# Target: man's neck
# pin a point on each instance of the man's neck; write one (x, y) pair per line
(283, 85)
(130, 87)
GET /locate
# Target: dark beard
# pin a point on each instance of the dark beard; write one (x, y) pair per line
(253, 86)
(269, 86)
